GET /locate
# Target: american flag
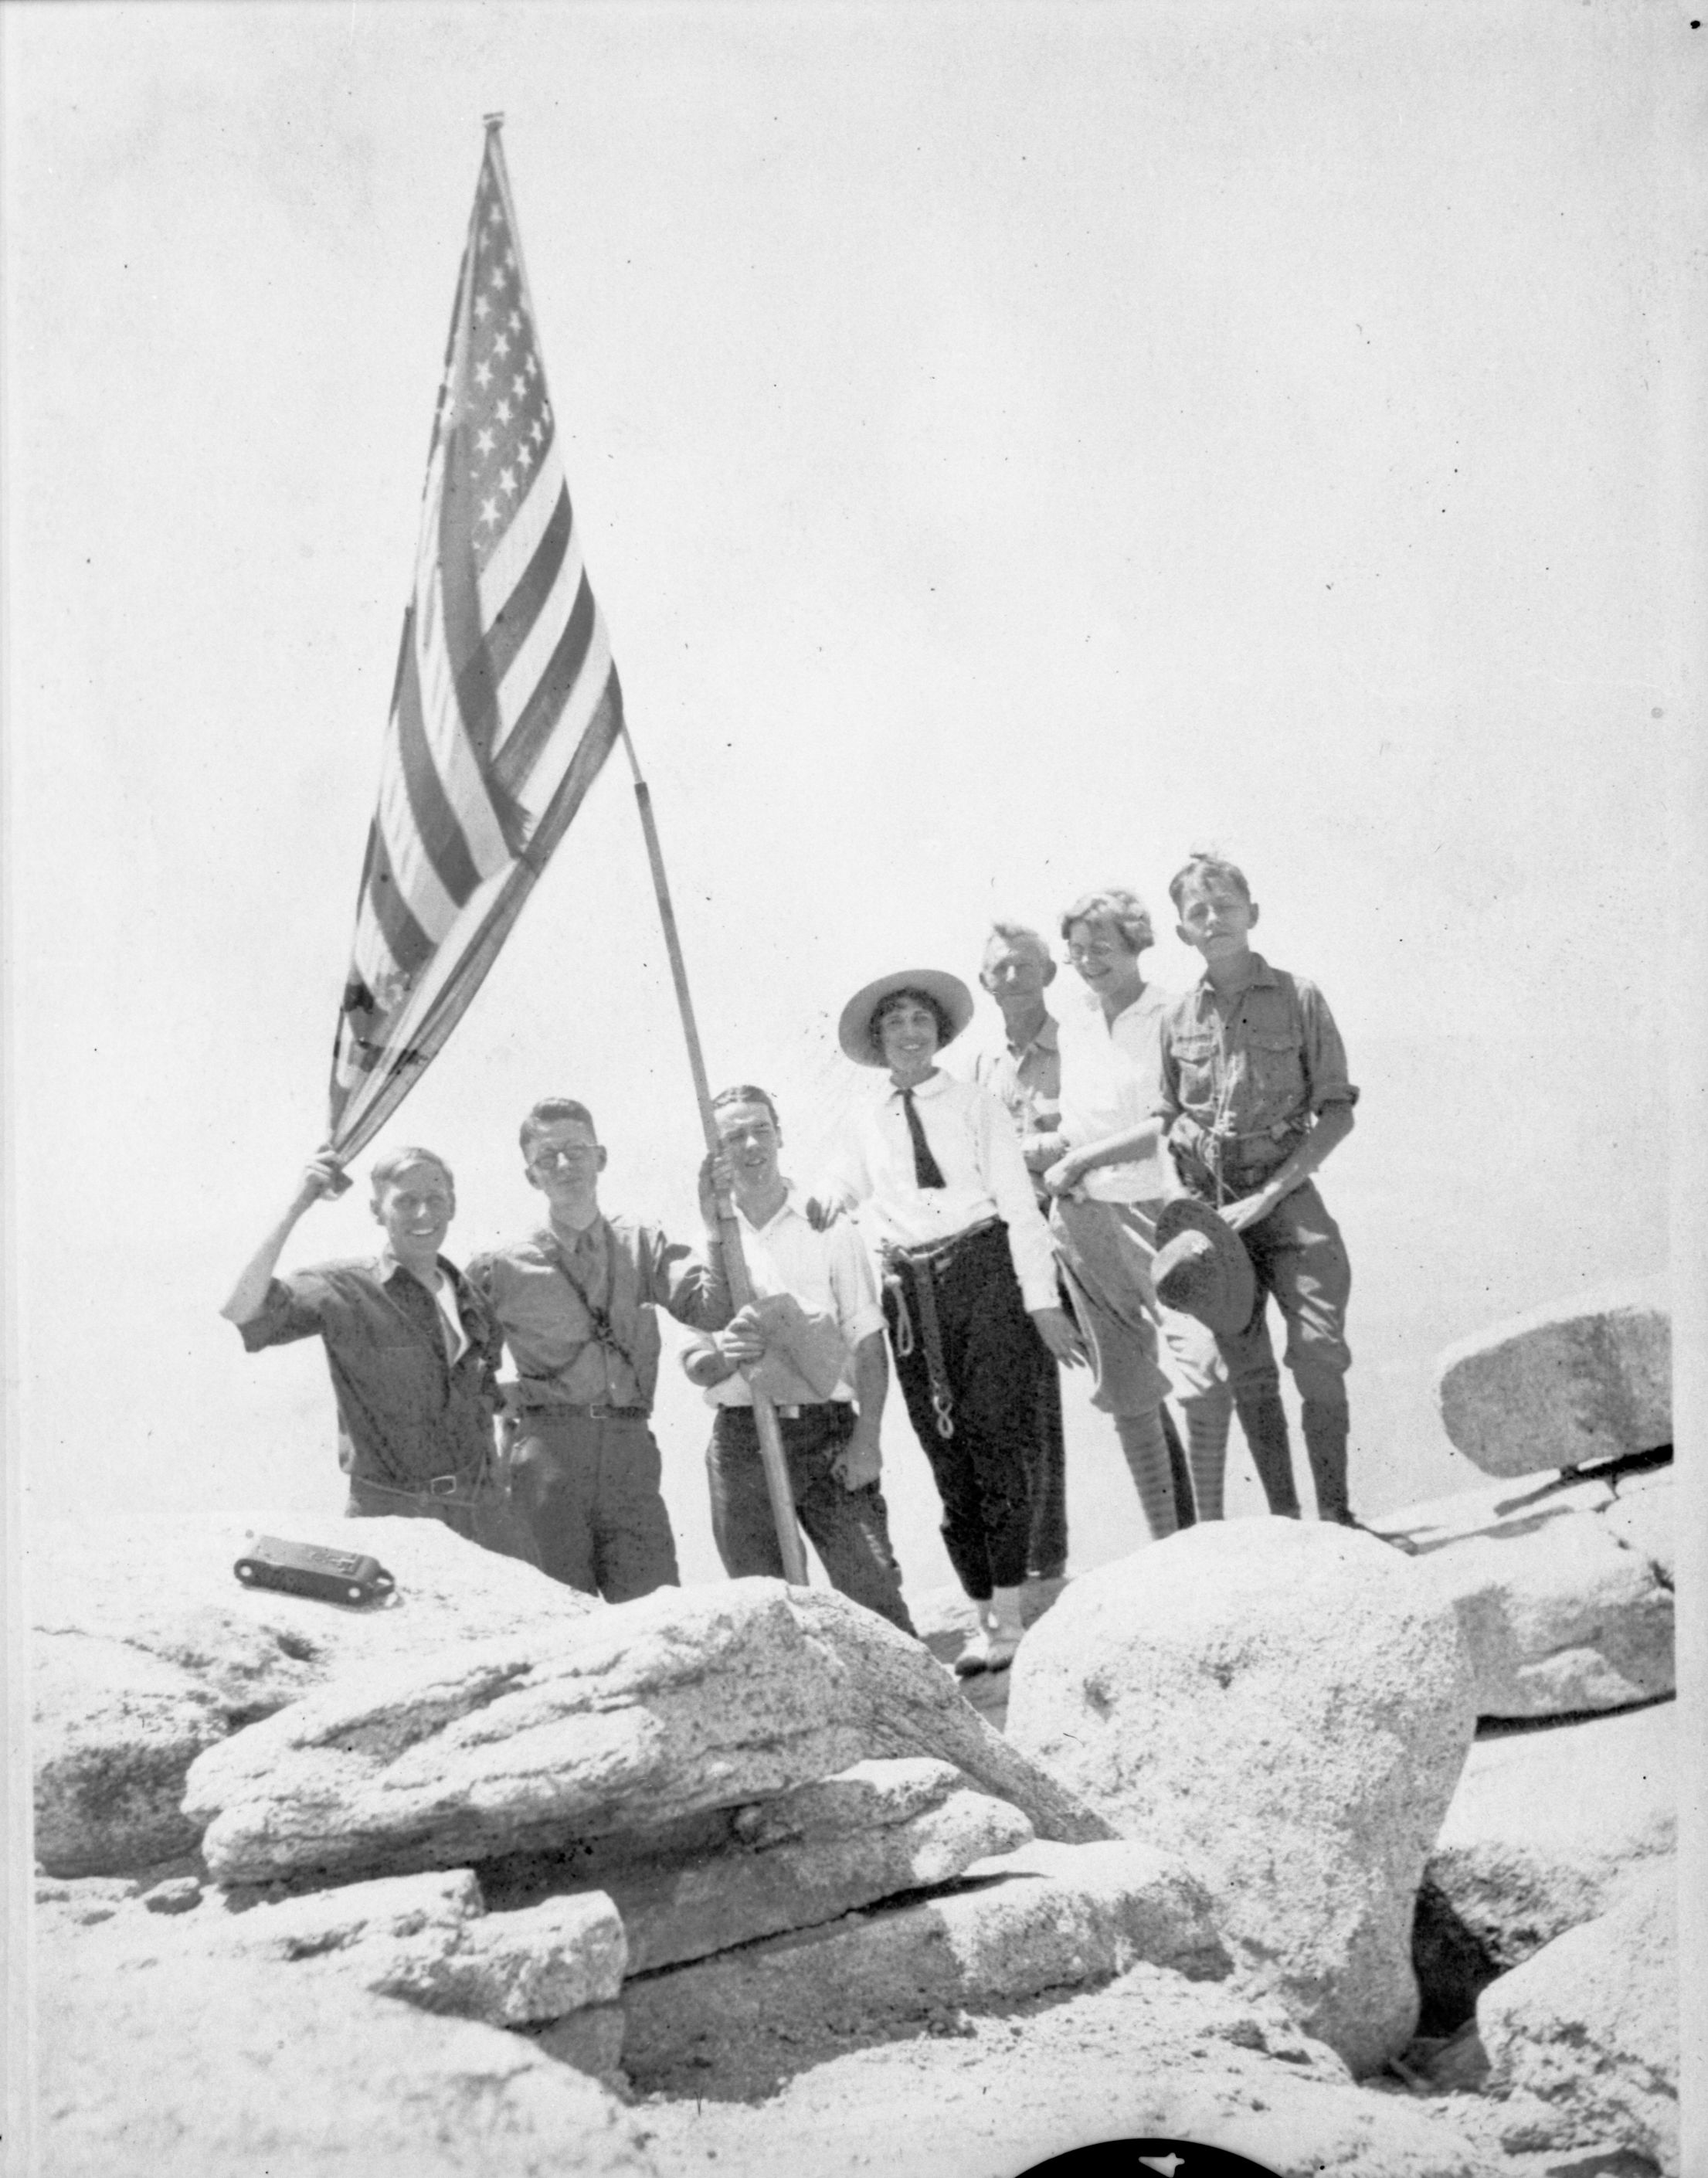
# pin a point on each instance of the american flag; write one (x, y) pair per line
(506, 701)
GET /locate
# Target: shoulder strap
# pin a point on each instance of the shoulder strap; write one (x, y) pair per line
(605, 1332)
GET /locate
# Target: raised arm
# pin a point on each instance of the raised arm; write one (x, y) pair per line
(322, 1176)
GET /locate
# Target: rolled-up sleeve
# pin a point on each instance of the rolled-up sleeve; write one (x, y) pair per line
(858, 1314)
(292, 1308)
(694, 1288)
(1324, 1053)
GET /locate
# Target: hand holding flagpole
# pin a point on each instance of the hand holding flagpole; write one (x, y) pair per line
(771, 1455)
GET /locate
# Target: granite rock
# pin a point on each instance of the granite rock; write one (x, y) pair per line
(1563, 1385)
(686, 1700)
(1564, 1590)
(1290, 1705)
(145, 1653)
(1547, 1827)
(1049, 1918)
(1583, 2037)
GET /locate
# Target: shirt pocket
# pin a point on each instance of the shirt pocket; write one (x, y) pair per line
(1195, 1055)
(1277, 1070)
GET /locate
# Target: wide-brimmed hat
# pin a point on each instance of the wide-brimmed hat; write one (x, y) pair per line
(854, 1030)
(1202, 1267)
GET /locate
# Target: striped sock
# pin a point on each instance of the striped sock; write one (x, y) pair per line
(1208, 1419)
(1147, 1450)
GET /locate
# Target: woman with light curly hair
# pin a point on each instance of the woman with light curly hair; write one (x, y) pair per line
(1108, 1185)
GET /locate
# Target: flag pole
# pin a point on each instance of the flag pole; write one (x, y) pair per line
(735, 1263)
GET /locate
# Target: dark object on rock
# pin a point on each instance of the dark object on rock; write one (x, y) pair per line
(312, 1569)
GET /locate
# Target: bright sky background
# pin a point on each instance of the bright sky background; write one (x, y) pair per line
(1011, 445)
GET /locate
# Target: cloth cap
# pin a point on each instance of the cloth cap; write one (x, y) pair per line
(854, 1030)
(1202, 1267)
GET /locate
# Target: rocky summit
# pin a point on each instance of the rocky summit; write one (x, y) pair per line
(1354, 1855)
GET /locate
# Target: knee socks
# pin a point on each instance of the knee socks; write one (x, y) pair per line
(1208, 1419)
(1147, 1450)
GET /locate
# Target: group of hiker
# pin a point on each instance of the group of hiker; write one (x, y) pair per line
(1124, 1185)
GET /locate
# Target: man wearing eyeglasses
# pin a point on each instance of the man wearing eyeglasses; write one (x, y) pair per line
(577, 1305)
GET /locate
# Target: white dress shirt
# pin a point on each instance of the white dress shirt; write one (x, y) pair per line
(1111, 1078)
(828, 1272)
(973, 1140)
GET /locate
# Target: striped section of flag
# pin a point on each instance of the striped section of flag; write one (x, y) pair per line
(506, 702)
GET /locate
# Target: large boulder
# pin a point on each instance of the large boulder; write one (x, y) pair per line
(1564, 1589)
(1049, 1917)
(686, 1700)
(1584, 2037)
(145, 1652)
(160, 2054)
(1547, 1827)
(1564, 1385)
(803, 1859)
(1289, 1704)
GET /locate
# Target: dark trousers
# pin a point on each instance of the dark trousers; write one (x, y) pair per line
(1300, 1259)
(481, 1513)
(1046, 1552)
(993, 1358)
(589, 1490)
(849, 1529)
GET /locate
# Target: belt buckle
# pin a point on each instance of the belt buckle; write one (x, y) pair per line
(787, 1414)
(441, 1485)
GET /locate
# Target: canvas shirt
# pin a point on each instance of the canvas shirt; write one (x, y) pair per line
(830, 1272)
(974, 1142)
(1255, 1067)
(1027, 1082)
(628, 1268)
(407, 1412)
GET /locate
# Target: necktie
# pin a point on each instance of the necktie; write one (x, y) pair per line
(927, 1171)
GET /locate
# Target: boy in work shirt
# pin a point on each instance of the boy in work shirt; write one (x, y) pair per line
(1255, 1094)
(577, 1305)
(412, 1352)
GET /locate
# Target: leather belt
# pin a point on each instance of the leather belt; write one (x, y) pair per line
(787, 1414)
(546, 1410)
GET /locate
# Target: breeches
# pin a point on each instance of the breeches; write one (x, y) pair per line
(1107, 1251)
(1300, 1257)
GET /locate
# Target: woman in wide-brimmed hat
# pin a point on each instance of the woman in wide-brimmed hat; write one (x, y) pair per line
(969, 1285)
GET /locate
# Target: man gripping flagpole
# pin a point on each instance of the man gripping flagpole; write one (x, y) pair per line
(505, 704)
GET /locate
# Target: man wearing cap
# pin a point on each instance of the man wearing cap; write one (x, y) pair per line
(1022, 1071)
(813, 1339)
(411, 1351)
(969, 1290)
(577, 1303)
